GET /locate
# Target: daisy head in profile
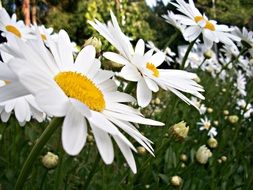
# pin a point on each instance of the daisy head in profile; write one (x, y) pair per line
(45, 33)
(197, 23)
(24, 107)
(81, 92)
(142, 67)
(10, 25)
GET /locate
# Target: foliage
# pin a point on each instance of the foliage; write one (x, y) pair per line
(74, 20)
(238, 12)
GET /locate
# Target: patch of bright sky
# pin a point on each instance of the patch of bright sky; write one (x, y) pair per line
(152, 3)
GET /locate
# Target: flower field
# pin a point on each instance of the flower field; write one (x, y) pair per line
(119, 112)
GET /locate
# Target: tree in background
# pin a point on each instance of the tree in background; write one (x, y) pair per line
(238, 12)
(73, 17)
(26, 11)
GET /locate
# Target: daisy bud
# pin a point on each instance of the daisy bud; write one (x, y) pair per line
(219, 161)
(224, 90)
(212, 142)
(216, 123)
(176, 181)
(183, 157)
(94, 42)
(203, 154)
(225, 112)
(183, 165)
(90, 138)
(233, 119)
(224, 158)
(141, 150)
(208, 54)
(179, 131)
(1, 137)
(209, 110)
(157, 101)
(147, 186)
(50, 160)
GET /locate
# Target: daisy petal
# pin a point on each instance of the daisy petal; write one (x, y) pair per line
(56, 105)
(116, 58)
(126, 151)
(85, 59)
(74, 132)
(130, 73)
(80, 107)
(104, 144)
(144, 94)
(140, 47)
(21, 110)
(157, 59)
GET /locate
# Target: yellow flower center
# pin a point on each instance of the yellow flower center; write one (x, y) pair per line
(208, 25)
(207, 125)
(78, 86)
(43, 36)
(13, 30)
(152, 68)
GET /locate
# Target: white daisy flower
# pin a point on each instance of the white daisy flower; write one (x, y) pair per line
(171, 19)
(82, 93)
(230, 51)
(141, 67)
(248, 113)
(45, 33)
(245, 108)
(241, 83)
(204, 124)
(245, 35)
(10, 25)
(24, 107)
(198, 23)
(202, 109)
(246, 66)
(194, 60)
(212, 132)
(241, 103)
(168, 53)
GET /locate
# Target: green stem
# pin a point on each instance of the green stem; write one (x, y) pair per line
(169, 109)
(187, 53)
(202, 62)
(53, 125)
(165, 112)
(92, 172)
(172, 110)
(58, 174)
(172, 38)
(43, 179)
